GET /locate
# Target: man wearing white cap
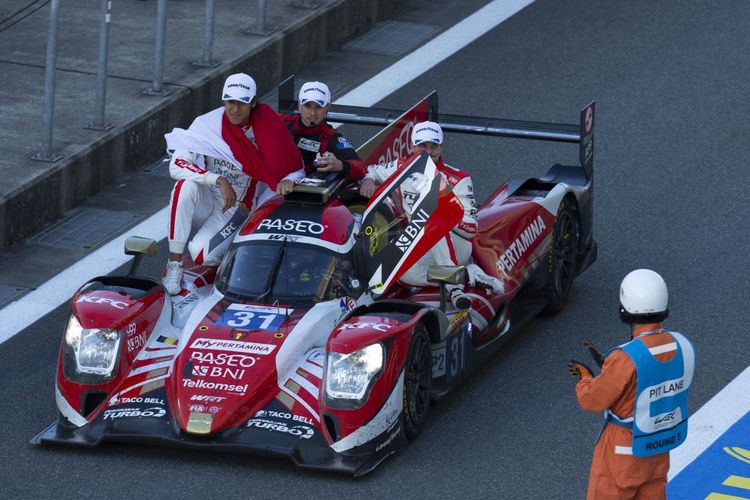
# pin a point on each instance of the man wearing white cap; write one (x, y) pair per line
(228, 162)
(323, 148)
(454, 249)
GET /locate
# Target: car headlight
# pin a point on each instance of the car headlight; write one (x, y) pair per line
(348, 376)
(91, 354)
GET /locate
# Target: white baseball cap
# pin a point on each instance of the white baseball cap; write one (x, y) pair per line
(426, 131)
(315, 91)
(239, 87)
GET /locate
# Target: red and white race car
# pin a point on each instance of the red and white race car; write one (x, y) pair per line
(303, 343)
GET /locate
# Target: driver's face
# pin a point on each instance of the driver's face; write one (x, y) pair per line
(238, 112)
(434, 150)
(312, 113)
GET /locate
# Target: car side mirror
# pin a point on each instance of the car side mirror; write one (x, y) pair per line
(446, 275)
(139, 246)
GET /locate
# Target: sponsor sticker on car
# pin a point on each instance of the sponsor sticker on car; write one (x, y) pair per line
(232, 346)
(155, 412)
(251, 317)
(300, 431)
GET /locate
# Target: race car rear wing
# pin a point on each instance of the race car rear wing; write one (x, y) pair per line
(581, 133)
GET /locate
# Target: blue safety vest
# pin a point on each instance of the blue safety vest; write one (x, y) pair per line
(659, 421)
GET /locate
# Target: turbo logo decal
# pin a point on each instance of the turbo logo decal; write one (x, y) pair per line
(134, 412)
(300, 431)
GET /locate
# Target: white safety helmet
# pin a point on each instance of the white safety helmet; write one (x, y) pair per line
(643, 292)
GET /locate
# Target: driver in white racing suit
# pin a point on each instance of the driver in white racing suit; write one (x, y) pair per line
(226, 164)
(455, 248)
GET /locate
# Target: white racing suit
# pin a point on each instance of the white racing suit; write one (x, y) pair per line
(200, 156)
(196, 201)
(455, 248)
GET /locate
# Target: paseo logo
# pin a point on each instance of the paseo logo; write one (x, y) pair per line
(298, 226)
(401, 146)
(223, 359)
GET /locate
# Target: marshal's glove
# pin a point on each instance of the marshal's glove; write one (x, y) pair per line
(579, 370)
(597, 356)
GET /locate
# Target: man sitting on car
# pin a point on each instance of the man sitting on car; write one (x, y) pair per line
(323, 148)
(228, 162)
(455, 248)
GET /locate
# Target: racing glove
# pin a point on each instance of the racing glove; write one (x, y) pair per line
(579, 370)
(597, 356)
(477, 277)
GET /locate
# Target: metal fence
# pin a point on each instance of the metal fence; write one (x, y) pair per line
(157, 88)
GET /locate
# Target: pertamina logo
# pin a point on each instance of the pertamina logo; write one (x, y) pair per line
(232, 346)
(520, 245)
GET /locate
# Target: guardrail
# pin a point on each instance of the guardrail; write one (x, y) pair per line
(157, 88)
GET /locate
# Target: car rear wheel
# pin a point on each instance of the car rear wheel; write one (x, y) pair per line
(417, 383)
(562, 259)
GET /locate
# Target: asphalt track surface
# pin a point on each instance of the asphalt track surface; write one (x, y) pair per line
(670, 159)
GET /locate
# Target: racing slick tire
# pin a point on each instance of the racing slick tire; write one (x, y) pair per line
(563, 258)
(417, 383)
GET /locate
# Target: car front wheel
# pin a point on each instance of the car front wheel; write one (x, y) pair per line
(417, 383)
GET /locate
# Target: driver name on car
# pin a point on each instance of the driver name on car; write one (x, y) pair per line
(323, 148)
(455, 248)
(228, 162)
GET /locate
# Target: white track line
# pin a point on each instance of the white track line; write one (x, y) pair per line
(18, 315)
(707, 424)
(433, 53)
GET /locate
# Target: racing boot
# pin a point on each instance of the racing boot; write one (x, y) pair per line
(477, 277)
(459, 299)
(172, 277)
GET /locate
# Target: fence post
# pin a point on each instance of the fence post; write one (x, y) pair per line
(101, 71)
(208, 39)
(49, 88)
(260, 20)
(157, 88)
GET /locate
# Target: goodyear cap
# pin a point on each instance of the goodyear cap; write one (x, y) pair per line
(315, 91)
(239, 87)
(426, 131)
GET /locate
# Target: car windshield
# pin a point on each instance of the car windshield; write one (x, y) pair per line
(291, 274)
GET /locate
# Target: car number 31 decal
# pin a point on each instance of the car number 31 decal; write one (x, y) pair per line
(448, 357)
(248, 317)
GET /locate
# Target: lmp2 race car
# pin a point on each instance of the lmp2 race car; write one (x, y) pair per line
(303, 343)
